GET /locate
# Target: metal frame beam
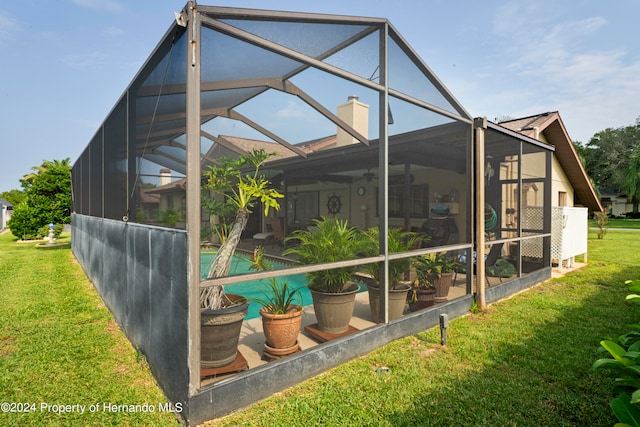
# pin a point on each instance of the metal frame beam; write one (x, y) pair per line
(383, 167)
(193, 195)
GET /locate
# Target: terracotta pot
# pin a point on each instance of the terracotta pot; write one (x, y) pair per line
(425, 298)
(220, 333)
(397, 301)
(442, 285)
(281, 330)
(277, 353)
(334, 310)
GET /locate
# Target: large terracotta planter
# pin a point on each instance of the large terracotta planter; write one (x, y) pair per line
(442, 285)
(220, 333)
(397, 301)
(334, 310)
(281, 330)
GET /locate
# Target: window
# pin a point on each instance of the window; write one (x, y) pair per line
(416, 204)
(562, 198)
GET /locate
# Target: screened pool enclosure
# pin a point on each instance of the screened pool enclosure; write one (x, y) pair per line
(361, 130)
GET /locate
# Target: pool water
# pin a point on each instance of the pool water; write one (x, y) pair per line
(252, 289)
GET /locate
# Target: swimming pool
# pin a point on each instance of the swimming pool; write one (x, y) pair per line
(252, 289)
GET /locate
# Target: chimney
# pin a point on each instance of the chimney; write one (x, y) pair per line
(165, 177)
(356, 114)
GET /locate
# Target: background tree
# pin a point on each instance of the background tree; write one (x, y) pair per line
(608, 158)
(47, 199)
(631, 179)
(15, 197)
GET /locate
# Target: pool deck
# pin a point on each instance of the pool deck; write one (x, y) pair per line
(252, 339)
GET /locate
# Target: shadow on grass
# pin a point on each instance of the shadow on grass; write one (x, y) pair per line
(531, 363)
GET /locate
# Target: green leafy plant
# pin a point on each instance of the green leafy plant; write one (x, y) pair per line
(279, 298)
(431, 266)
(398, 241)
(623, 357)
(242, 186)
(332, 240)
(205, 232)
(634, 286)
(47, 199)
(626, 363)
(602, 218)
(475, 307)
(169, 217)
(43, 232)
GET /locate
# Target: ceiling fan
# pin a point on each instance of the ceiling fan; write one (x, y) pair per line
(368, 175)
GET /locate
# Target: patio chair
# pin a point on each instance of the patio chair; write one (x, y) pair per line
(490, 261)
(277, 225)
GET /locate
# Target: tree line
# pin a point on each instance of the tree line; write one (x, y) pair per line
(612, 160)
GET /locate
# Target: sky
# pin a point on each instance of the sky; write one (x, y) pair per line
(65, 63)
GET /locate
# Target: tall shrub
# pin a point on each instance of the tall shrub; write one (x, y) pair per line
(602, 218)
(47, 199)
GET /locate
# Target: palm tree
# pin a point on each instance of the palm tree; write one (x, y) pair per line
(631, 179)
(242, 185)
(44, 167)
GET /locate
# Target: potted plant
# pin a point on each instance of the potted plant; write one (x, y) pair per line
(398, 241)
(242, 186)
(438, 271)
(332, 291)
(281, 316)
(422, 294)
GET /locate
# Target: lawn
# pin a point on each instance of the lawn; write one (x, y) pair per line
(60, 346)
(526, 361)
(618, 223)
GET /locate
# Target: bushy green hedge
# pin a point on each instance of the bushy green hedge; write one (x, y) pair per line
(48, 200)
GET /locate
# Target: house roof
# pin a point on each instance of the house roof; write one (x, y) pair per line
(5, 203)
(550, 126)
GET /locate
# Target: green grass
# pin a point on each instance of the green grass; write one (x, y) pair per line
(526, 361)
(59, 345)
(618, 223)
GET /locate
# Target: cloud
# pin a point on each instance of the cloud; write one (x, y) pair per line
(528, 35)
(114, 32)
(292, 111)
(572, 30)
(101, 5)
(8, 26)
(91, 59)
(549, 61)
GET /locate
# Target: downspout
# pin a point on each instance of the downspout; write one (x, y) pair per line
(193, 196)
(480, 126)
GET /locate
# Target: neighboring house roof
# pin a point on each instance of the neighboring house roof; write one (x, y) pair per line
(151, 199)
(172, 187)
(551, 127)
(246, 145)
(5, 203)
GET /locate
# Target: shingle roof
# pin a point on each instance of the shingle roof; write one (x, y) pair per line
(550, 125)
